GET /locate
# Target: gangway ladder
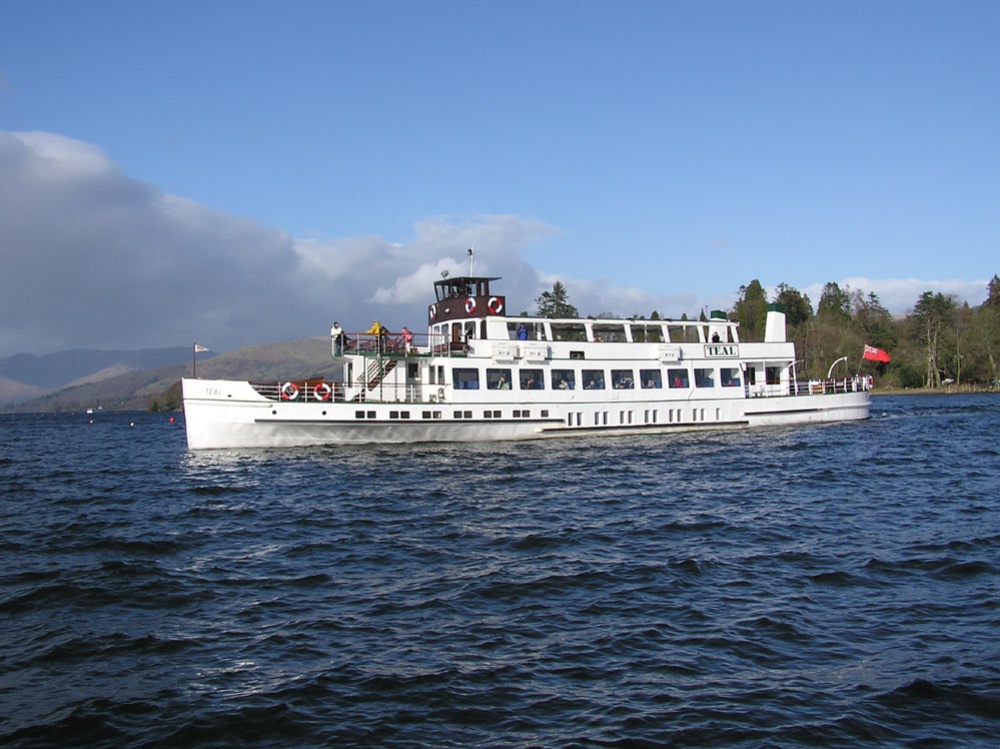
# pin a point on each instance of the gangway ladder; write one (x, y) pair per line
(375, 372)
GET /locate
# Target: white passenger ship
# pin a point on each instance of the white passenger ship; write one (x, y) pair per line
(479, 374)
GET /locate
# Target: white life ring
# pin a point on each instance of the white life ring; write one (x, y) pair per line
(433, 311)
(495, 305)
(289, 391)
(322, 392)
(470, 305)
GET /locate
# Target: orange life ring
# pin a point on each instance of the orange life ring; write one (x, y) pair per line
(289, 391)
(322, 392)
(495, 305)
(470, 305)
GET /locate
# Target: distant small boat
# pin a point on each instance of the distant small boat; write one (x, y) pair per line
(480, 375)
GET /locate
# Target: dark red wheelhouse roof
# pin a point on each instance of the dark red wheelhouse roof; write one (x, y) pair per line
(462, 286)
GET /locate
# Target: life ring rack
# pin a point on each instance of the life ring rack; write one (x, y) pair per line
(322, 392)
(289, 391)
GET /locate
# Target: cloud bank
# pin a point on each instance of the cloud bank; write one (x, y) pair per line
(92, 258)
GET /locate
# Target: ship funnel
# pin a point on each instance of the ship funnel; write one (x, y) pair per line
(774, 330)
(718, 332)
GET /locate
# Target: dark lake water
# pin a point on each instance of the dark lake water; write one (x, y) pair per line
(831, 586)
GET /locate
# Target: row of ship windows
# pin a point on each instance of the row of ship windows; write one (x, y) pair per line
(500, 378)
(490, 414)
(598, 418)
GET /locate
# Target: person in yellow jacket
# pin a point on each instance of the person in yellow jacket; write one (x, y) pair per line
(381, 333)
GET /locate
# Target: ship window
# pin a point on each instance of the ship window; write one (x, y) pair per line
(569, 331)
(651, 333)
(682, 333)
(773, 375)
(730, 377)
(563, 379)
(593, 379)
(704, 378)
(622, 379)
(651, 378)
(609, 333)
(533, 331)
(531, 379)
(465, 378)
(498, 379)
(678, 378)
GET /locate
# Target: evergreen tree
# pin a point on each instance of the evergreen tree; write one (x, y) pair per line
(555, 303)
(993, 293)
(798, 308)
(751, 311)
(875, 321)
(834, 305)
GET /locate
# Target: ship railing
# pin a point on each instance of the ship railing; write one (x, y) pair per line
(318, 390)
(394, 344)
(313, 389)
(832, 385)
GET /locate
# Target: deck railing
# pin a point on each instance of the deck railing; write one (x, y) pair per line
(422, 344)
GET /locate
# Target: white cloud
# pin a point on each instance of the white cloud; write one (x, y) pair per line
(899, 295)
(92, 258)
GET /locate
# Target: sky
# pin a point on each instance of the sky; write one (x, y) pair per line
(239, 172)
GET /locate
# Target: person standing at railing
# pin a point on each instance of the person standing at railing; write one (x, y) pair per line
(407, 337)
(381, 333)
(338, 336)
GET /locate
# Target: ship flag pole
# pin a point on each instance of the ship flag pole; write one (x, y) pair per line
(195, 349)
(472, 253)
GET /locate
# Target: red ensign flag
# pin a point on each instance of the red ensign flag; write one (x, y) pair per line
(876, 354)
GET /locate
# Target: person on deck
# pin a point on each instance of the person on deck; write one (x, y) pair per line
(381, 333)
(338, 336)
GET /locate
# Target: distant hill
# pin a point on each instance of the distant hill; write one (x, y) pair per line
(119, 387)
(52, 371)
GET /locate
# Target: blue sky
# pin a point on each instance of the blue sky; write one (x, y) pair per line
(240, 172)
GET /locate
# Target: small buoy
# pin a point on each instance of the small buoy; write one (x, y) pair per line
(131, 424)
(171, 419)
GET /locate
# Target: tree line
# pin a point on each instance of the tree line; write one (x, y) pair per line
(941, 341)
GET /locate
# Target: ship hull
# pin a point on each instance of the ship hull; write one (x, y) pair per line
(226, 414)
